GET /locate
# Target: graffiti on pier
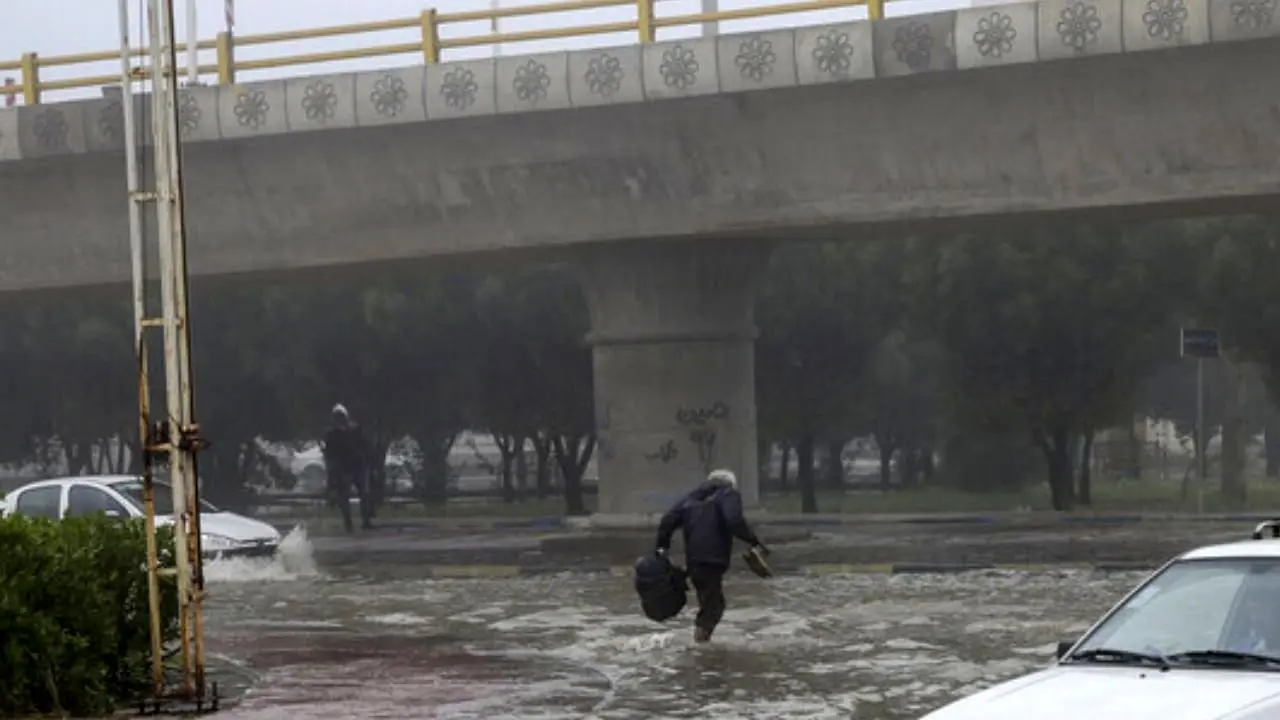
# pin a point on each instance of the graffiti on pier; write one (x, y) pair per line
(701, 433)
(701, 416)
(705, 440)
(664, 454)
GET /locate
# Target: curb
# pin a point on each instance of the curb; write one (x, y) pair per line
(479, 524)
(555, 523)
(506, 572)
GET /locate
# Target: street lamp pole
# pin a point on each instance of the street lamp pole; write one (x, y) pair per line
(711, 27)
(494, 26)
(193, 44)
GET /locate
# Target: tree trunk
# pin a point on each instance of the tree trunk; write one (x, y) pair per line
(99, 457)
(573, 454)
(1085, 493)
(77, 458)
(909, 467)
(833, 468)
(804, 475)
(122, 456)
(244, 472)
(927, 466)
(1057, 451)
(506, 471)
(1272, 444)
(886, 464)
(522, 471)
(222, 463)
(432, 481)
(248, 459)
(1234, 490)
(542, 466)
(377, 472)
(1134, 470)
(135, 457)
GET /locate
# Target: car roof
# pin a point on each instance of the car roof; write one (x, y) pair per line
(1268, 548)
(96, 479)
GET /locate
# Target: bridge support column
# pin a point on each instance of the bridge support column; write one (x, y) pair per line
(672, 334)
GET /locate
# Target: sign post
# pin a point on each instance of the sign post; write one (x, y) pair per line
(1200, 343)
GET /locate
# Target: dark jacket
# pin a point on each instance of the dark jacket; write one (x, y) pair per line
(344, 449)
(711, 517)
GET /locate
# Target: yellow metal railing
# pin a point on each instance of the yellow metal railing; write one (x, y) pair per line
(430, 45)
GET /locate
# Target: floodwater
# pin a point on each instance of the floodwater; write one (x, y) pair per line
(575, 646)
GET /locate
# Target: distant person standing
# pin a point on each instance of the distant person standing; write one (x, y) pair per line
(346, 467)
(711, 517)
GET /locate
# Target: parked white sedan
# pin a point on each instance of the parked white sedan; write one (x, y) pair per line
(1198, 640)
(223, 534)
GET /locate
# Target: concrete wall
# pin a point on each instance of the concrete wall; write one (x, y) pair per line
(1065, 105)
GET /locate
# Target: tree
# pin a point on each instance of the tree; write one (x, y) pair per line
(904, 392)
(248, 357)
(539, 373)
(397, 352)
(508, 390)
(1051, 329)
(1239, 294)
(819, 317)
(79, 379)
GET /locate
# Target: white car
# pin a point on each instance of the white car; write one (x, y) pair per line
(222, 534)
(1198, 640)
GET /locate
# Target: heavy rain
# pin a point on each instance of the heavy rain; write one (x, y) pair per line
(456, 364)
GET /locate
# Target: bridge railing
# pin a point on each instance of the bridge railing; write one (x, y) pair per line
(644, 22)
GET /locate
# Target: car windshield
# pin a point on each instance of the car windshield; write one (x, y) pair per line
(132, 491)
(1220, 612)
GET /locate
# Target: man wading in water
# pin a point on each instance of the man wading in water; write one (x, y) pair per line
(711, 517)
(346, 467)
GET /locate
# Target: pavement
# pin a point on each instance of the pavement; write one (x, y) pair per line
(576, 646)
(1032, 519)
(904, 545)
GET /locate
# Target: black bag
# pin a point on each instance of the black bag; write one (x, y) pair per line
(663, 587)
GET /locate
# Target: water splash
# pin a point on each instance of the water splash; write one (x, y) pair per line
(294, 560)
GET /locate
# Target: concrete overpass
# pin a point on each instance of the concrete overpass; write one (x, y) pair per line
(1016, 110)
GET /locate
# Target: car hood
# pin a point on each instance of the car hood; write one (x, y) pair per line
(1128, 693)
(231, 525)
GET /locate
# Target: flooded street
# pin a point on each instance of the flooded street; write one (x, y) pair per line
(366, 645)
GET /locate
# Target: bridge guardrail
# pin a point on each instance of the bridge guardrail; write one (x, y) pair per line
(645, 23)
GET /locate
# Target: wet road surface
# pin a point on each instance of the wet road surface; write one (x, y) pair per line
(1149, 543)
(352, 644)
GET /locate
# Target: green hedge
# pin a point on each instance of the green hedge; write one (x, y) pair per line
(74, 627)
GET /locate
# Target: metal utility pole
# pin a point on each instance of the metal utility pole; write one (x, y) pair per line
(1200, 343)
(711, 27)
(193, 43)
(495, 26)
(178, 436)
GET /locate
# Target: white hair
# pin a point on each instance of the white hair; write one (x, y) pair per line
(340, 409)
(723, 477)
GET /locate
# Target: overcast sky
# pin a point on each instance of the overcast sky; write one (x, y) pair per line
(57, 27)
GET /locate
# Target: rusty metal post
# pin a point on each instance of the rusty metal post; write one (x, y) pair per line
(430, 36)
(226, 59)
(178, 435)
(31, 78)
(138, 261)
(644, 21)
